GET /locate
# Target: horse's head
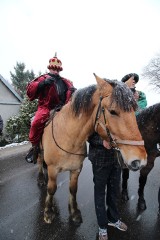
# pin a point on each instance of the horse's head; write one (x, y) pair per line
(115, 121)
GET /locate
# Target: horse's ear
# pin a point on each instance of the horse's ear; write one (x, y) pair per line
(129, 81)
(103, 85)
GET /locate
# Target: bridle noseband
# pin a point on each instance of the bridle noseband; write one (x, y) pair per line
(113, 142)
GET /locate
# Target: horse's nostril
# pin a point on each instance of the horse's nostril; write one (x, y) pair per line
(135, 165)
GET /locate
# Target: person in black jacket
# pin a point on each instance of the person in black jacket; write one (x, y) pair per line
(1, 125)
(159, 200)
(106, 176)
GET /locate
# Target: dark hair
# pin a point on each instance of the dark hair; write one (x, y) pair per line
(128, 76)
(133, 90)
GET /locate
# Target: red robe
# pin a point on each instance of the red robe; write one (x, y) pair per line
(47, 100)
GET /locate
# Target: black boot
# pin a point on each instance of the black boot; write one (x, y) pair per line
(32, 155)
(29, 156)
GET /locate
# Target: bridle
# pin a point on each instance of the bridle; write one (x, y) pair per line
(112, 142)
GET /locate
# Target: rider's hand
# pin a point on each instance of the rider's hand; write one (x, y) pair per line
(49, 81)
(106, 144)
(46, 82)
(136, 95)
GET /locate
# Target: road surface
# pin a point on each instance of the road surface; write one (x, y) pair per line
(22, 204)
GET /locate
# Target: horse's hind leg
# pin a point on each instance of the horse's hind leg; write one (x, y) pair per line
(75, 213)
(41, 176)
(125, 176)
(49, 212)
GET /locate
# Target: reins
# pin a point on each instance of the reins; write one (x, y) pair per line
(120, 159)
(113, 142)
(78, 154)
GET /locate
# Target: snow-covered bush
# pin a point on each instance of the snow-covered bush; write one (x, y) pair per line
(17, 127)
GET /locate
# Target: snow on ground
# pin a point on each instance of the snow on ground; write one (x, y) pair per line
(14, 145)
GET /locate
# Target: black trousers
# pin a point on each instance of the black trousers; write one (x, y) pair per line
(159, 197)
(106, 193)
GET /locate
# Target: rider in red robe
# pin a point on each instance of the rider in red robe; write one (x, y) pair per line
(52, 91)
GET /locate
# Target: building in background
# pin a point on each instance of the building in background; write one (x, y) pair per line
(10, 101)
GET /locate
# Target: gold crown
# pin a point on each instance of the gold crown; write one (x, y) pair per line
(55, 63)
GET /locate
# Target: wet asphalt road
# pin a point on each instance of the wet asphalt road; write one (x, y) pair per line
(22, 204)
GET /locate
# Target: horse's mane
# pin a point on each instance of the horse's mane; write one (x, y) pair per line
(121, 95)
(82, 99)
(151, 113)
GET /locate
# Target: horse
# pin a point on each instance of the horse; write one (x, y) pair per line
(107, 108)
(149, 125)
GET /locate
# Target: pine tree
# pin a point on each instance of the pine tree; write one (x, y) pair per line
(17, 127)
(21, 78)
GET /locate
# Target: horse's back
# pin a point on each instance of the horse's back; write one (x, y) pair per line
(149, 124)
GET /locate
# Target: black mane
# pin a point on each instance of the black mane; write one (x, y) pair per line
(121, 95)
(82, 99)
(149, 125)
(149, 114)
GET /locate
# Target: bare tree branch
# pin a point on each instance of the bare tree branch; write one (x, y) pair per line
(152, 72)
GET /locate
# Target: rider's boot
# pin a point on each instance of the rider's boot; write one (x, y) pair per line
(32, 155)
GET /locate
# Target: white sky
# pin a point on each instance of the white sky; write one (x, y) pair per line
(109, 37)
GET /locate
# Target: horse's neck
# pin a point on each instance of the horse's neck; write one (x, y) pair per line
(76, 127)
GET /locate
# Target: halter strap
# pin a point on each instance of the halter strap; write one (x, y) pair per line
(113, 142)
(130, 142)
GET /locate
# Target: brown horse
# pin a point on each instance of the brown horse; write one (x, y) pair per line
(108, 108)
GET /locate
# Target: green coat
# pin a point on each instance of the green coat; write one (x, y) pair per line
(142, 102)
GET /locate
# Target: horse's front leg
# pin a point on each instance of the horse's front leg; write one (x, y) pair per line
(49, 212)
(142, 182)
(75, 213)
(125, 177)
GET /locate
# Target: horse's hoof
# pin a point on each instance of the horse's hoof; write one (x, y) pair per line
(41, 183)
(49, 216)
(124, 196)
(41, 180)
(76, 218)
(142, 204)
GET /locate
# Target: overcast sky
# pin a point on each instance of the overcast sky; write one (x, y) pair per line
(108, 37)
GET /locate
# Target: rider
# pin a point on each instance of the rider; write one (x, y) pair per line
(52, 91)
(140, 96)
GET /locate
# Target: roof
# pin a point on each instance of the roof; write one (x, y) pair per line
(9, 86)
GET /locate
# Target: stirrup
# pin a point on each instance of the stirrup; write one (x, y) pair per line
(29, 156)
(32, 155)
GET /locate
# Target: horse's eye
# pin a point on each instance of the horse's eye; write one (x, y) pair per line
(112, 112)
